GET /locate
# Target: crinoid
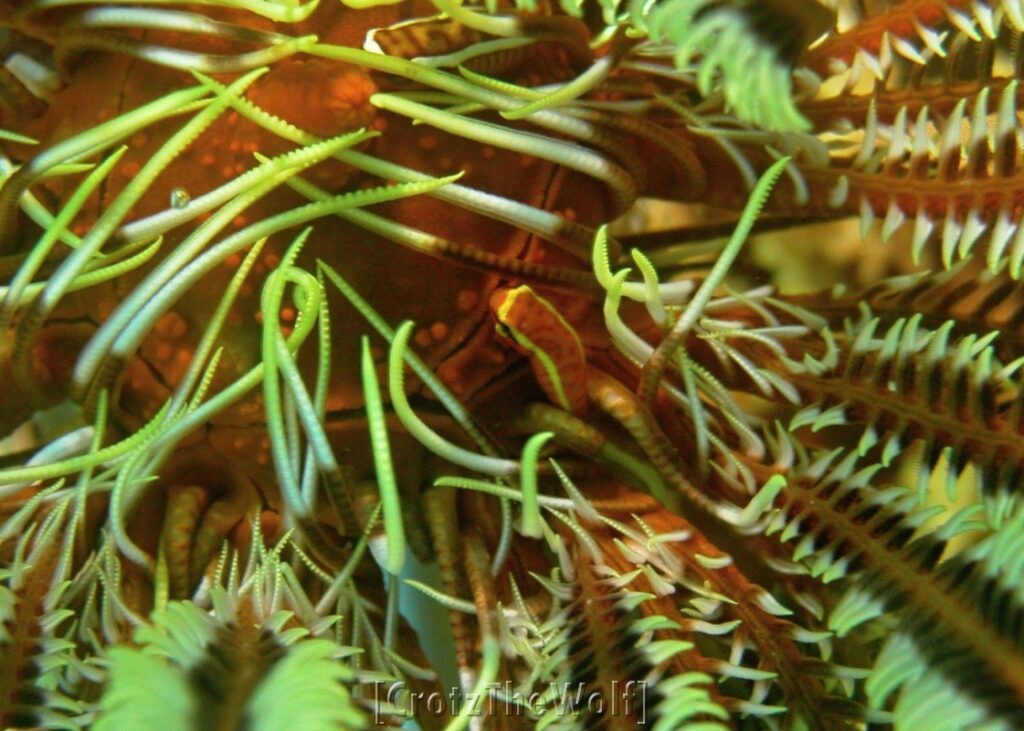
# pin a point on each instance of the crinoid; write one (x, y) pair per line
(380, 362)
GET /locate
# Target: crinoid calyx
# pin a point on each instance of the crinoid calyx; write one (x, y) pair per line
(374, 363)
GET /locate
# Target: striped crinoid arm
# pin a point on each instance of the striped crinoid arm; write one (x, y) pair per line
(614, 647)
(36, 654)
(885, 389)
(763, 653)
(953, 60)
(973, 298)
(952, 183)
(881, 37)
(897, 561)
(646, 610)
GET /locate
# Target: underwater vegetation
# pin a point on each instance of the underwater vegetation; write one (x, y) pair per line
(513, 365)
